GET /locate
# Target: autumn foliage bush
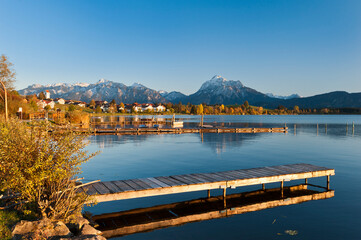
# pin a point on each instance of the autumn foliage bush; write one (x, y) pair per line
(39, 167)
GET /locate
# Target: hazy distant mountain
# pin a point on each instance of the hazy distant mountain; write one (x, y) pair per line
(338, 99)
(102, 90)
(217, 90)
(283, 97)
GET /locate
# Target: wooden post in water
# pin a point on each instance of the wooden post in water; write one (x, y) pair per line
(353, 128)
(328, 182)
(306, 181)
(263, 187)
(317, 129)
(346, 128)
(201, 123)
(282, 188)
(224, 192)
(209, 193)
(326, 128)
(294, 129)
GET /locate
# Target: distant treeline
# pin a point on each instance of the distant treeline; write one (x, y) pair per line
(246, 109)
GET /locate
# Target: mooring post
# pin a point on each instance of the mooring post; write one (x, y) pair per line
(294, 129)
(353, 128)
(326, 128)
(209, 193)
(346, 128)
(282, 188)
(306, 181)
(317, 129)
(224, 193)
(328, 182)
(263, 187)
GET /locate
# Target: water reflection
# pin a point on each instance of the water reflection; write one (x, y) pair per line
(175, 214)
(219, 141)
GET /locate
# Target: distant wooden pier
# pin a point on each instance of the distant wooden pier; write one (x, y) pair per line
(138, 131)
(154, 186)
(175, 214)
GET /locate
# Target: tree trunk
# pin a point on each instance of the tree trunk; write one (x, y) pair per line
(6, 102)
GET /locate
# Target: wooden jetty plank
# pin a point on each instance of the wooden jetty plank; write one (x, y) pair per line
(182, 179)
(287, 168)
(209, 176)
(249, 172)
(315, 168)
(113, 188)
(123, 186)
(215, 176)
(158, 182)
(90, 190)
(240, 174)
(302, 167)
(99, 186)
(226, 176)
(150, 183)
(201, 176)
(190, 178)
(133, 185)
(142, 183)
(169, 181)
(199, 179)
(259, 172)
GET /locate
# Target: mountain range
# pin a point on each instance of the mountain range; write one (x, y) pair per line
(217, 90)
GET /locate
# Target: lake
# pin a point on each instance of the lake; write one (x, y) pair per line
(324, 140)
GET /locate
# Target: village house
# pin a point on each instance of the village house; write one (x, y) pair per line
(121, 108)
(147, 107)
(100, 103)
(43, 103)
(79, 103)
(159, 108)
(135, 107)
(59, 101)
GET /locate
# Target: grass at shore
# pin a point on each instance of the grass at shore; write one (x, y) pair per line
(8, 218)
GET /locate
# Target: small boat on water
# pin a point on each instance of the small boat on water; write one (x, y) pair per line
(176, 124)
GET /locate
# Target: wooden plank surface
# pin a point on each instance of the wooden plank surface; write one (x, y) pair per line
(123, 186)
(153, 186)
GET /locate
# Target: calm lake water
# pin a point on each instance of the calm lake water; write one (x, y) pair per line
(331, 145)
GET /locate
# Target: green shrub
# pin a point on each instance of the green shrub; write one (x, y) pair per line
(41, 167)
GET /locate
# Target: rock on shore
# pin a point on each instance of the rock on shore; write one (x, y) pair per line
(46, 229)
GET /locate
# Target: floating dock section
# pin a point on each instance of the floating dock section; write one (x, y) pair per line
(176, 130)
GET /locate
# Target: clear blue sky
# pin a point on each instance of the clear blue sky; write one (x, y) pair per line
(283, 47)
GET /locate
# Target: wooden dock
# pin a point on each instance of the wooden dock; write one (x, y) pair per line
(175, 214)
(138, 131)
(153, 186)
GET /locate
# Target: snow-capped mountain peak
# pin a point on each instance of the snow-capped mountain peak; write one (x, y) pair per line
(137, 85)
(102, 80)
(219, 82)
(163, 92)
